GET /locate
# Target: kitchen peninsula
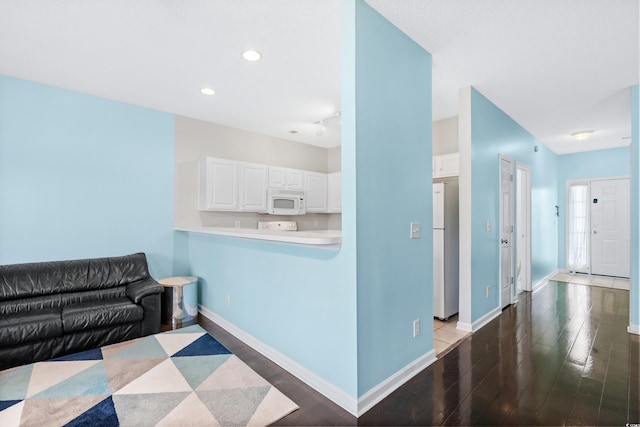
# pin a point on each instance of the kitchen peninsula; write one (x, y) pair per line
(325, 239)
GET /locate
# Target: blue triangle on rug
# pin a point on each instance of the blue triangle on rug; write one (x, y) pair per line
(4, 404)
(93, 354)
(206, 345)
(102, 414)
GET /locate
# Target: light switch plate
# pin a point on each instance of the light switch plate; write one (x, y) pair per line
(415, 230)
(488, 226)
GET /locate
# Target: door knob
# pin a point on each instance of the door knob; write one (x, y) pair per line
(504, 241)
(595, 232)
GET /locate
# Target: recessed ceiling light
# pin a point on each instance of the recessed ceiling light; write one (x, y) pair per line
(581, 135)
(208, 91)
(251, 55)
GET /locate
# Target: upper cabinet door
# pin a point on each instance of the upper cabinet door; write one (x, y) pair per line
(316, 191)
(277, 177)
(446, 165)
(295, 179)
(290, 179)
(253, 187)
(218, 184)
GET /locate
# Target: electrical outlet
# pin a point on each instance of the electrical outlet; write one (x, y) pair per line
(237, 223)
(416, 328)
(489, 227)
(227, 301)
(315, 223)
(488, 287)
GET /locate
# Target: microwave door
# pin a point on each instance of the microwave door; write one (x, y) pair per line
(284, 206)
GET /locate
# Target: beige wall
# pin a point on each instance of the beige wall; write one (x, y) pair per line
(195, 140)
(445, 136)
(334, 159)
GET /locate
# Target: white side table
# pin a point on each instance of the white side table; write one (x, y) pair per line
(179, 300)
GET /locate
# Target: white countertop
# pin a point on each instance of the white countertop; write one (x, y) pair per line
(322, 238)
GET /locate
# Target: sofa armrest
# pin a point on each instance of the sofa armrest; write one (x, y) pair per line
(142, 288)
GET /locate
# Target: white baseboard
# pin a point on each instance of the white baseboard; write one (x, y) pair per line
(545, 279)
(322, 386)
(464, 326)
(356, 407)
(392, 383)
(481, 322)
(633, 329)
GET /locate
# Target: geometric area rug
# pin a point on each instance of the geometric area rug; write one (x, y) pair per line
(182, 377)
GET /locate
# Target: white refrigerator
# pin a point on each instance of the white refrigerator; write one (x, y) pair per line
(445, 248)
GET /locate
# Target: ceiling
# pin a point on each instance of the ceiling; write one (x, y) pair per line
(555, 66)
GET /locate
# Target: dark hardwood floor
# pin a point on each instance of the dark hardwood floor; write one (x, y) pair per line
(560, 356)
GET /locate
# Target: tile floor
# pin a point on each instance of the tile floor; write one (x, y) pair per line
(585, 279)
(446, 336)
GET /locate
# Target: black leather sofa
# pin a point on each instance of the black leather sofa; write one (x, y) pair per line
(50, 309)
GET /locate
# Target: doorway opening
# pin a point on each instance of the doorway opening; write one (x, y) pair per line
(523, 228)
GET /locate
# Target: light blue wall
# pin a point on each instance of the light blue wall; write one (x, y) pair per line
(299, 301)
(587, 165)
(492, 133)
(634, 295)
(82, 177)
(387, 91)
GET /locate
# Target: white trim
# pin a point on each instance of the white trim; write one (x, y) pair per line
(633, 329)
(480, 323)
(464, 182)
(464, 326)
(392, 383)
(545, 279)
(527, 171)
(322, 386)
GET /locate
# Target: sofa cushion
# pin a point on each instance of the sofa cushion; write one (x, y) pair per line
(99, 314)
(29, 326)
(72, 298)
(23, 305)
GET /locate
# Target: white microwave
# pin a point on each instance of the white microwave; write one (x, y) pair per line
(285, 202)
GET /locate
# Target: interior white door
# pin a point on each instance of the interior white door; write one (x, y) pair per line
(506, 230)
(611, 227)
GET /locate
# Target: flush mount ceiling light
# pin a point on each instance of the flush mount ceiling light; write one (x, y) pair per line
(251, 55)
(581, 135)
(207, 91)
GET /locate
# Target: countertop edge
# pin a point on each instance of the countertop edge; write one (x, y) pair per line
(297, 237)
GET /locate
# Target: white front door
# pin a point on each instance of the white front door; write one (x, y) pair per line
(610, 227)
(506, 231)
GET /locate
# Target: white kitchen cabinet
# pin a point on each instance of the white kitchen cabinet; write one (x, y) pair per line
(446, 165)
(290, 179)
(334, 192)
(253, 187)
(316, 191)
(217, 185)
